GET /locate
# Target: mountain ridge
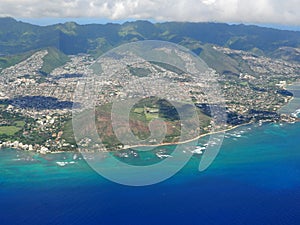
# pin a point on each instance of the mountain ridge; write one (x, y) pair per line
(72, 38)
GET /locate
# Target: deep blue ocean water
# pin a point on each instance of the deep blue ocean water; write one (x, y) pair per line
(254, 180)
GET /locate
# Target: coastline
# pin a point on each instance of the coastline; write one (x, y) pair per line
(187, 141)
(158, 145)
(136, 146)
(44, 150)
(221, 131)
(289, 87)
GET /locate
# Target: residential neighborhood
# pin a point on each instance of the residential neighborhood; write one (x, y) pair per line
(46, 102)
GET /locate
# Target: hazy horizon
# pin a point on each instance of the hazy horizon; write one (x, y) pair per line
(85, 21)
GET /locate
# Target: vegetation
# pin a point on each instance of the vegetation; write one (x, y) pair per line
(71, 38)
(53, 59)
(10, 60)
(139, 72)
(12, 124)
(140, 116)
(9, 130)
(169, 67)
(68, 133)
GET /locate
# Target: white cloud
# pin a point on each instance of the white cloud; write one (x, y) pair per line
(259, 11)
(208, 2)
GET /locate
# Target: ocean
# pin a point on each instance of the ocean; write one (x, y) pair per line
(255, 179)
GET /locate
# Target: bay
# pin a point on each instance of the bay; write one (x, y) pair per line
(255, 179)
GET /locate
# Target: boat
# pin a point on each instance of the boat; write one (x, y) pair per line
(62, 163)
(162, 155)
(199, 150)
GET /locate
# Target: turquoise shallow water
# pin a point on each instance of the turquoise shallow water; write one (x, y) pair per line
(293, 105)
(255, 179)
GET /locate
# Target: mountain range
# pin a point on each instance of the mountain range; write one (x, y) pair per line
(18, 39)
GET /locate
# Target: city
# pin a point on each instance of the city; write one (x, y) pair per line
(46, 102)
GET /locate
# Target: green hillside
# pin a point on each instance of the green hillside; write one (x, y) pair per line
(222, 63)
(53, 59)
(10, 60)
(71, 38)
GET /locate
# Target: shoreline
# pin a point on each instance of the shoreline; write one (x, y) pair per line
(11, 145)
(141, 146)
(159, 145)
(187, 141)
(200, 136)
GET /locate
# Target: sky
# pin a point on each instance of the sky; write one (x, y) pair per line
(281, 13)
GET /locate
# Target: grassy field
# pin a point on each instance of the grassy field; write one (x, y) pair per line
(138, 110)
(151, 116)
(9, 130)
(19, 124)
